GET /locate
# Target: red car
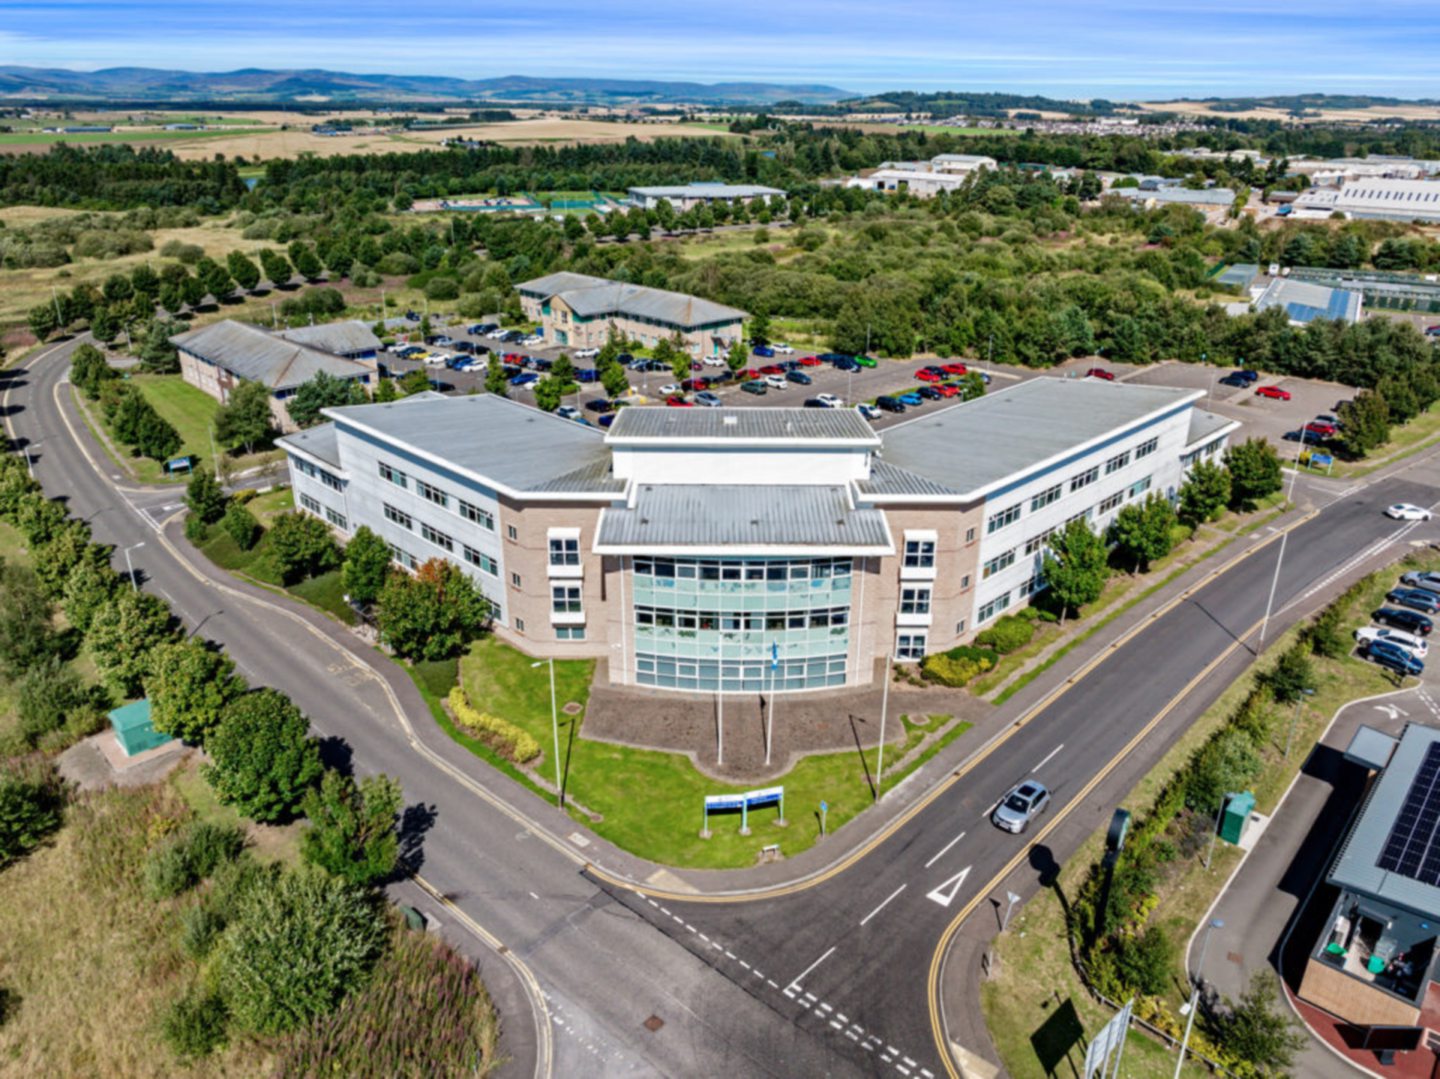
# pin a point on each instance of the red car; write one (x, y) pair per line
(1100, 372)
(692, 385)
(810, 361)
(1273, 391)
(696, 365)
(948, 389)
(772, 369)
(678, 402)
(954, 368)
(749, 374)
(927, 375)
(1318, 427)
(514, 357)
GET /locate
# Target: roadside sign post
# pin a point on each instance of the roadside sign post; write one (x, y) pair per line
(1110, 1040)
(1011, 899)
(823, 807)
(744, 801)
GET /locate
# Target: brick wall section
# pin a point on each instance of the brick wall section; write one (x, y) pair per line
(951, 598)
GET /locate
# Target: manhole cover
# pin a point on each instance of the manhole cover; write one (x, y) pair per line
(654, 1023)
(1236, 958)
(572, 708)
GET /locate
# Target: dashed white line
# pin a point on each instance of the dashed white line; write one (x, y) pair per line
(943, 850)
(1048, 758)
(881, 907)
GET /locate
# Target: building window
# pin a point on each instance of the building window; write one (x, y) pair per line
(431, 493)
(1115, 464)
(1083, 515)
(1033, 585)
(405, 558)
(1005, 517)
(436, 537)
(919, 554)
(483, 518)
(394, 475)
(915, 601)
(1145, 449)
(514, 580)
(337, 519)
(569, 633)
(994, 607)
(565, 599)
(510, 531)
(999, 562)
(1085, 479)
(519, 625)
(1036, 543)
(564, 552)
(398, 517)
(969, 535)
(331, 481)
(305, 467)
(1139, 487)
(965, 583)
(306, 502)
(1112, 502)
(910, 646)
(1045, 497)
(484, 561)
(960, 626)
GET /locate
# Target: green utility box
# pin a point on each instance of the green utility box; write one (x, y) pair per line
(1237, 811)
(133, 729)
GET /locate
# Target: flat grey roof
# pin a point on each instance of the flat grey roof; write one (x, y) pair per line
(249, 352)
(742, 425)
(1371, 748)
(341, 338)
(888, 479)
(1356, 865)
(711, 190)
(698, 515)
(505, 443)
(1206, 425)
(592, 297)
(1214, 196)
(560, 282)
(319, 441)
(966, 448)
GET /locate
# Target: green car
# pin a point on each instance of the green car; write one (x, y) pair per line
(865, 361)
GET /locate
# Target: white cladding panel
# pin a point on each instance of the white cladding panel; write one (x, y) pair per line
(731, 464)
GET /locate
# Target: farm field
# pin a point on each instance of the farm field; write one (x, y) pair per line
(1374, 112)
(40, 141)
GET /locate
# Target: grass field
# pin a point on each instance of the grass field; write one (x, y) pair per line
(665, 824)
(13, 141)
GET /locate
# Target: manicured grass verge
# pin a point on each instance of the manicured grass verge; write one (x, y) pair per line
(651, 801)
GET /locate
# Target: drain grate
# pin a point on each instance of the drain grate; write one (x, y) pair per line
(653, 1024)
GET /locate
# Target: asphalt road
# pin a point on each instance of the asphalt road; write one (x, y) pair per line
(601, 971)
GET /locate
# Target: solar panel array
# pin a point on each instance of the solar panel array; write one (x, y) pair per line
(1412, 849)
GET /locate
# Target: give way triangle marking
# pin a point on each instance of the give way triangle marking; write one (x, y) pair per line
(945, 893)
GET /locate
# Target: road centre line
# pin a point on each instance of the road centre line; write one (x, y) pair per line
(883, 903)
(1048, 758)
(795, 984)
(943, 850)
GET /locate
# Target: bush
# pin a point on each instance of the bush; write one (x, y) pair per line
(433, 614)
(264, 759)
(241, 526)
(196, 530)
(185, 858)
(1008, 634)
(1144, 963)
(302, 546)
(195, 1024)
(959, 665)
(200, 928)
(32, 804)
(499, 734)
(443, 288)
(48, 694)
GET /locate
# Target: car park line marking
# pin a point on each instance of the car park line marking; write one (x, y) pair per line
(796, 982)
(1048, 758)
(943, 850)
(883, 903)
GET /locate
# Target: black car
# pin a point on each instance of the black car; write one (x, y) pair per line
(1235, 379)
(464, 346)
(930, 393)
(845, 363)
(815, 402)
(719, 378)
(607, 419)
(1400, 618)
(789, 365)
(598, 405)
(890, 404)
(799, 377)
(624, 359)
(412, 316)
(833, 357)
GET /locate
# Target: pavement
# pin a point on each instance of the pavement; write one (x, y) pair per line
(808, 966)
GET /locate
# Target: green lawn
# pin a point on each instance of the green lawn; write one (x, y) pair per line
(664, 824)
(40, 138)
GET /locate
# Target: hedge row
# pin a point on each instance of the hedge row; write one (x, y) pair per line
(499, 734)
(959, 665)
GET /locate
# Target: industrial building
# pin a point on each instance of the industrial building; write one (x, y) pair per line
(1386, 200)
(923, 179)
(687, 196)
(1210, 198)
(1304, 301)
(690, 548)
(580, 311)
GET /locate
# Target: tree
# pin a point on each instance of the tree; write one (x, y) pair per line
(385, 391)
(548, 394)
(117, 288)
(302, 546)
(737, 357)
(352, 827)
(205, 497)
(214, 278)
(39, 519)
(1254, 472)
(433, 614)
(495, 380)
(131, 415)
(42, 320)
(760, 326)
(367, 564)
(1205, 492)
(615, 380)
(60, 555)
(243, 270)
(245, 420)
(1075, 566)
(157, 438)
(664, 352)
(417, 381)
(50, 695)
(264, 760)
(1291, 676)
(972, 385)
(299, 942)
(89, 370)
(241, 526)
(32, 805)
(562, 370)
(189, 685)
(306, 262)
(123, 632)
(26, 637)
(276, 266)
(1142, 531)
(1256, 1030)
(157, 354)
(1365, 421)
(105, 327)
(88, 587)
(323, 391)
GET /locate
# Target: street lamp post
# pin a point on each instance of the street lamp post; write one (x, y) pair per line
(554, 729)
(1295, 718)
(1214, 831)
(30, 461)
(1215, 923)
(130, 569)
(884, 711)
(1284, 537)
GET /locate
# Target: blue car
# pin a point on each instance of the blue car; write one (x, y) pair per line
(1391, 656)
(914, 400)
(1416, 598)
(764, 350)
(586, 374)
(525, 378)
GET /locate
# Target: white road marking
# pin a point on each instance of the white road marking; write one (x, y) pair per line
(944, 894)
(943, 850)
(812, 966)
(1048, 758)
(881, 907)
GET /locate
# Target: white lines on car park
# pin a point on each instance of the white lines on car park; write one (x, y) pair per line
(1048, 758)
(944, 850)
(883, 904)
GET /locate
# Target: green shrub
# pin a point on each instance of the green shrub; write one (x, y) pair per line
(49, 693)
(196, 531)
(1008, 634)
(194, 1026)
(1145, 962)
(188, 856)
(241, 526)
(200, 928)
(499, 734)
(32, 803)
(959, 665)
(442, 288)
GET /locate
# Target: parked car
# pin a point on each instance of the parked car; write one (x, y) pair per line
(799, 377)
(1404, 511)
(1303, 435)
(1324, 430)
(676, 401)
(1274, 392)
(748, 374)
(525, 378)
(845, 363)
(1100, 372)
(783, 350)
(789, 365)
(586, 374)
(1417, 598)
(706, 399)
(1400, 618)
(438, 359)
(1333, 421)
(465, 346)
(814, 402)
(1393, 657)
(1251, 377)
(1021, 806)
(834, 357)
(669, 388)
(754, 386)
(1416, 646)
(600, 404)
(914, 400)
(930, 374)
(539, 363)
(719, 378)
(1421, 579)
(772, 369)
(442, 339)
(607, 419)
(810, 361)
(954, 368)
(764, 350)
(691, 385)
(477, 329)
(865, 361)
(930, 393)
(776, 382)
(1432, 331)
(569, 412)
(948, 389)
(585, 353)
(890, 404)
(1235, 378)
(870, 412)
(714, 361)
(412, 316)
(830, 400)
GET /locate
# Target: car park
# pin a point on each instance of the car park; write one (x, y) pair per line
(810, 361)
(870, 412)
(1393, 657)
(914, 400)
(830, 400)
(1020, 806)
(1417, 598)
(1273, 392)
(1416, 646)
(706, 399)
(799, 377)
(1400, 618)
(1101, 373)
(1421, 579)
(764, 350)
(890, 404)
(754, 386)
(1404, 511)
(776, 382)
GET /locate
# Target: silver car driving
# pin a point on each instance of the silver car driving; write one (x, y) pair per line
(1022, 805)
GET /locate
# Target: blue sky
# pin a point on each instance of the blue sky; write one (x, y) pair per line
(1110, 48)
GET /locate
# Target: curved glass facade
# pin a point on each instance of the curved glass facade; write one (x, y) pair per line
(691, 618)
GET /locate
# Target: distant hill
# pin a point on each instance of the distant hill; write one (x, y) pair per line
(1305, 102)
(143, 84)
(945, 103)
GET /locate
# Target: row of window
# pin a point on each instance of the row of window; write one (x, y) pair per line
(409, 561)
(815, 618)
(442, 540)
(329, 479)
(774, 570)
(919, 554)
(335, 517)
(1036, 542)
(1010, 514)
(735, 676)
(428, 491)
